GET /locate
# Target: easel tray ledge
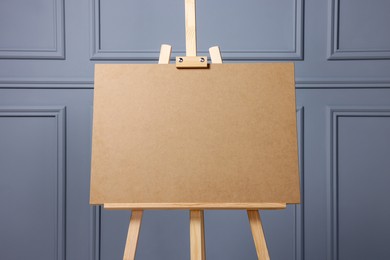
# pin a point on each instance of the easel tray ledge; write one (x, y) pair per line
(192, 206)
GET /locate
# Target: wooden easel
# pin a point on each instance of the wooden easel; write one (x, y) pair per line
(197, 237)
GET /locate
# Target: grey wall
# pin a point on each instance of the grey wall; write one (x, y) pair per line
(341, 49)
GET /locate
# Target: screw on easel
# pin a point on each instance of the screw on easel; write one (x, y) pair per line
(202, 59)
(180, 59)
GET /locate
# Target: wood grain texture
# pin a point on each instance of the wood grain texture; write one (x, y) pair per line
(197, 238)
(221, 206)
(132, 235)
(190, 14)
(258, 235)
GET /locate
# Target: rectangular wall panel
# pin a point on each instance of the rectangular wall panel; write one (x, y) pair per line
(32, 29)
(32, 183)
(134, 30)
(359, 179)
(357, 31)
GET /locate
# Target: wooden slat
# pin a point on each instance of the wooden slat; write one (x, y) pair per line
(197, 240)
(120, 206)
(215, 55)
(258, 234)
(165, 54)
(190, 27)
(191, 62)
(132, 235)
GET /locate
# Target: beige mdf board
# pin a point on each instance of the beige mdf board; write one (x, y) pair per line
(221, 135)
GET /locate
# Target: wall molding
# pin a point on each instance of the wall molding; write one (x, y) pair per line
(299, 239)
(352, 83)
(333, 114)
(88, 83)
(334, 50)
(95, 234)
(97, 53)
(46, 83)
(57, 112)
(57, 52)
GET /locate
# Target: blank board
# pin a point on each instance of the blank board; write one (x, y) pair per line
(226, 134)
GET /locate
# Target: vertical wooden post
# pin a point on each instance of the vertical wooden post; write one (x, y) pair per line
(132, 235)
(190, 27)
(197, 239)
(258, 235)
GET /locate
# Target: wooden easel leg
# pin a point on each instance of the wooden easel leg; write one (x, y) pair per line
(197, 240)
(132, 235)
(258, 235)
